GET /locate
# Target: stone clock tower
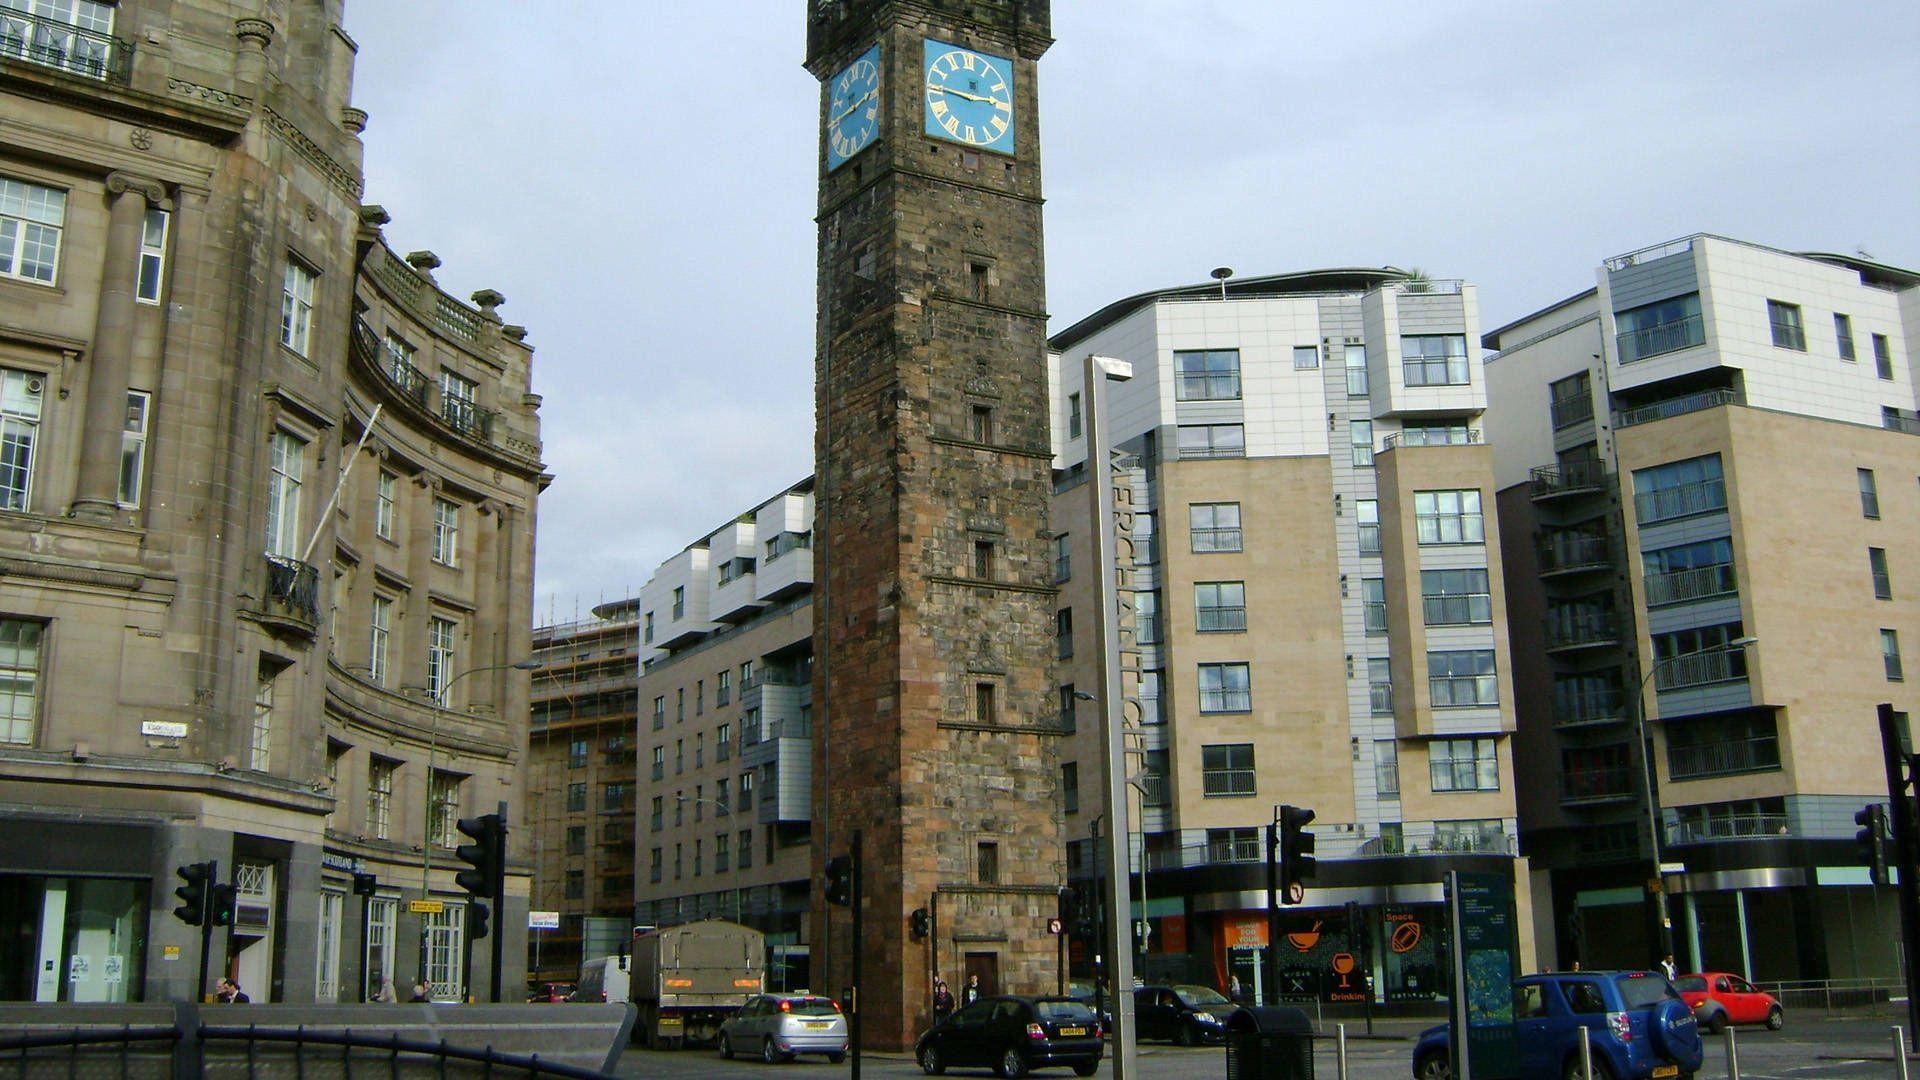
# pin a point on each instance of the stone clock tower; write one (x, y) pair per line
(936, 723)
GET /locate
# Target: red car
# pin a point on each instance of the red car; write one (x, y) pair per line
(1720, 998)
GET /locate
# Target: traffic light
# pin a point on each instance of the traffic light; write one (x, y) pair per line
(365, 885)
(921, 922)
(477, 921)
(485, 858)
(1870, 843)
(1296, 853)
(1068, 907)
(224, 899)
(840, 880)
(193, 894)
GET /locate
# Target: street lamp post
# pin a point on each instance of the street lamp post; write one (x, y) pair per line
(722, 810)
(1656, 882)
(438, 703)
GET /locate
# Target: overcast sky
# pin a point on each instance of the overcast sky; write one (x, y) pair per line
(638, 178)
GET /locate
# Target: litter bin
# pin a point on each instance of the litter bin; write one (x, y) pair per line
(1268, 1043)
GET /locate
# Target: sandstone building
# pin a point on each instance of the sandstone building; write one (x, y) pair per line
(209, 654)
(1707, 465)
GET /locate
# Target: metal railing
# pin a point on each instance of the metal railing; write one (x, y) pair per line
(1724, 758)
(1570, 411)
(1563, 551)
(1699, 497)
(1740, 827)
(467, 418)
(1648, 254)
(1666, 337)
(1380, 698)
(1459, 609)
(1599, 784)
(1567, 478)
(1699, 669)
(63, 46)
(1695, 584)
(1427, 437)
(1678, 406)
(1588, 706)
(294, 585)
(1571, 627)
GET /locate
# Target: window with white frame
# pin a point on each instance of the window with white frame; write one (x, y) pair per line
(380, 634)
(1227, 769)
(1225, 688)
(1463, 765)
(19, 435)
(1306, 357)
(1356, 357)
(459, 400)
(1459, 678)
(32, 218)
(1366, 513)
(1455, 597)
(1373, 604)
(446, 532)
(1449, 517)
(1220, 606)
(443, 807)
(1214, 527)
(1386, 768)
(326, 982)
(288, 470)
(296, 307)
(1146, 617)
(386, 490)
(1212, 440)
(260, 744)
(153, 258)
(1206, 375)
(382, 915)
(440, 634)
(1434, 359)
(446, 932)
(133, 448)
(1360, 434)
(380, 796)
(19, 679)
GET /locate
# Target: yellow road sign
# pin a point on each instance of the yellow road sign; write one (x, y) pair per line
(425, 907)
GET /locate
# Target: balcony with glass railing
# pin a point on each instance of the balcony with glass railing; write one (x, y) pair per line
(1571, 410)
(1682, 586)
(1678, 406)
(1580, 628)
(1683, 333)
(1569, 552)
(1595, 785)
(1728, 758)
(1581, 708)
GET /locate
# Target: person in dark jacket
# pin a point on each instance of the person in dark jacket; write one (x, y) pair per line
(971, 992)
(942, 1001)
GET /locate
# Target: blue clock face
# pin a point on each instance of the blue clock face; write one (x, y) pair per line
(969, 97)
(853, 108)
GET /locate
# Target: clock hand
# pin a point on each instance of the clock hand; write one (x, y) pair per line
(853, 108)
(959, 93)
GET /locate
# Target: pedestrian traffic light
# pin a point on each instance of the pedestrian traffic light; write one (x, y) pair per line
(477, 913)
(223, 899)
(1068, 907)
(840, 880)
(1296, 853)
(921, 922)
(193, 894)
(365, 885)
(486, 857)
(1870, 843)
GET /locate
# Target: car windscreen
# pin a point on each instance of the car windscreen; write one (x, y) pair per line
(1641, 991)
(1691, 984)
(1060, 1010)
(813, 1006)
(1201, 996)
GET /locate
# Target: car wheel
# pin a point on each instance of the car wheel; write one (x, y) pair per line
(1775, 1019)
(1012, 1065)
(1434, 1067)
(930, 1062)
(836, 1058)
(769, 1053)
(726, 1046)
(1185, 1035)
(1086, 1068)
(1600, 1070)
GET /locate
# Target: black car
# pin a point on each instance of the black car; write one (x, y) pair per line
(1188, 1015)
(1011, 1035)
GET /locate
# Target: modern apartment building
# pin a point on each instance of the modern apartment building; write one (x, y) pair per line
(266, 522)
(1708, 481)
(724, 812)
(1319, 613)
(580, 790)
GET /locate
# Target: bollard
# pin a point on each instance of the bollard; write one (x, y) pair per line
(1900, 1051)
(1586, 1056)
(1340, 1045)
(1733, 1052)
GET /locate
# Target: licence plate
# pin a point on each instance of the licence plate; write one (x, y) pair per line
(1666, 1070)
(818, 1025)
(1065, 1032)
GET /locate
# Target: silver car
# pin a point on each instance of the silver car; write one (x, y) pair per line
(778, 1026)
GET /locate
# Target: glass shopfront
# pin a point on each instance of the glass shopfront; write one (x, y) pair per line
(72, 938)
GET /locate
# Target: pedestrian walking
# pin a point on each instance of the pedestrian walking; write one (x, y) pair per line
(942, 1001)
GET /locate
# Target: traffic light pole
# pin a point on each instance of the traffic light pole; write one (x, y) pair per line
(206, 928)
(499, 904)
(1271, 991)
(858, 962)
(1906, 846)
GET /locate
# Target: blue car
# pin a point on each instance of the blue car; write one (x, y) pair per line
(1634, 1021)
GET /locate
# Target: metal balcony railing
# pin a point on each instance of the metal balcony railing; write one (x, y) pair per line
(1570, 411)
(1699, 669)
(63, 46)
(294, 585)
(1425, 437)
(1577, 707)
(1567, 478)
(1681, 586)
(469, 419)
(1724, 758)
(1563, 552)
(1742, 827)
(1678, 406)
(1699, 497)
(1597, 784)
(1380, 698)
(1575, 628)
(1665, 338)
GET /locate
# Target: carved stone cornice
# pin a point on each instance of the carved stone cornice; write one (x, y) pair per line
(340, 176)
(209, 94)
(119, 183)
